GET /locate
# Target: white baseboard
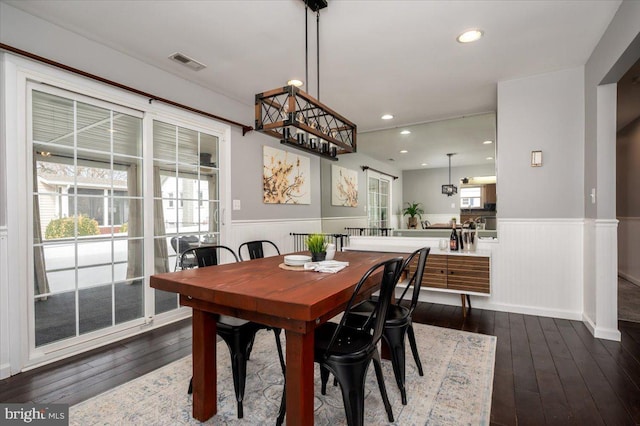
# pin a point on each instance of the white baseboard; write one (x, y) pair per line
(485, 303)
(630, 278)
(5, 371)
(601, 332)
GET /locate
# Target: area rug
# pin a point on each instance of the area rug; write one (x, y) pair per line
(455, 389)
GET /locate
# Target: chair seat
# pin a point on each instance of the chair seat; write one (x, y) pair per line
(232, 321)
(396, 315)
(350, 342)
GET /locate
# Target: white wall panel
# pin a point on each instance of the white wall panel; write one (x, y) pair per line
(606, 326)
(536, 267)
(336, 225)
(273, 230)
(5, 365)
(589, 272)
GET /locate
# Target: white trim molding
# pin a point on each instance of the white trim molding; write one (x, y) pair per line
(606, 274)
(274, 230)
(5, 364)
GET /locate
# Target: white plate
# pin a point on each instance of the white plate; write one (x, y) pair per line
(296, 259)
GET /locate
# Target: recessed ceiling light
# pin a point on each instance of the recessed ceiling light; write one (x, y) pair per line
(404, 151)
(295, 82)
(470, 36)
(387, 117)
(405, 132)
(423, 164)
(489, 158)
(487, 142)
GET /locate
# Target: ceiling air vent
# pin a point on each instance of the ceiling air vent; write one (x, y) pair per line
(187, 61)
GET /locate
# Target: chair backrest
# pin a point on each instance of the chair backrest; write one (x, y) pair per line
(390, 275)
(415, 280)
(256, 249)
(182, 243)
(205, 256)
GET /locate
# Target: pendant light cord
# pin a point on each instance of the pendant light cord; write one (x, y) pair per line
(306, 47)
(318, 48)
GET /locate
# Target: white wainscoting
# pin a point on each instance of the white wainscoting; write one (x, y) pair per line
(273, 230)
(5, 365)
(606, 325)
(336, 225)
(629, 249)
(536, 268)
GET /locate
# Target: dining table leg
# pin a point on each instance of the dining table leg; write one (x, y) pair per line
(204, 365)
(299, 381)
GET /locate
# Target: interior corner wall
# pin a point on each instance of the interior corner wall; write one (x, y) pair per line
(614, 54)
(543, 112)
(628, 201)
(617, 50)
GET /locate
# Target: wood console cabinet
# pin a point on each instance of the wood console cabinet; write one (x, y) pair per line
(458, 273)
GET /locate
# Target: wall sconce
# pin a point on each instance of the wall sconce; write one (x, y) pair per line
(536, 158)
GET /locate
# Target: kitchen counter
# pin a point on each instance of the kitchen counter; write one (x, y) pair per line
(440, 233)
(397, 244)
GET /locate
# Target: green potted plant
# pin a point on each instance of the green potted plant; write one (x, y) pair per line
(317, 246)
(414, 211)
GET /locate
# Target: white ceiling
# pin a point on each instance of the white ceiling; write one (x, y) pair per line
(376, 57)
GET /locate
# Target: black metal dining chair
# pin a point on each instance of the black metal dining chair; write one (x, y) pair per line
(237, 333)
(347, 352)
(255, 249)
(180, 244)
(398, 322)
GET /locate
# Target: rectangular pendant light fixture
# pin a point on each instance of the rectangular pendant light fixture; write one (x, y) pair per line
(303, 122)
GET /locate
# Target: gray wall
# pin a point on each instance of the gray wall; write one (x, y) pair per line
(543, 112)
(35, 35)
(354, 162)
(628, 170)
(616, 52)
(246, 181)
(425, 186)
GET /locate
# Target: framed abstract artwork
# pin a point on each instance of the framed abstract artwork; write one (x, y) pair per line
(286, 177)
(344, 187)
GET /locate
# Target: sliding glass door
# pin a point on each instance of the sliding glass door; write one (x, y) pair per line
(186, 211)
(87, 215)
(117, 193)
(378, 200)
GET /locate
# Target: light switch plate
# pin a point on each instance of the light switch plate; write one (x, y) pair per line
(236, 204)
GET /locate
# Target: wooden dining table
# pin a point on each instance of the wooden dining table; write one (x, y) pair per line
(262, 291)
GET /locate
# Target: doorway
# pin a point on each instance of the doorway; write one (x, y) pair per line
(627, 195)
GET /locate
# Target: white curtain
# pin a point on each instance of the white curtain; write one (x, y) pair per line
(135, 256)
(161, 254)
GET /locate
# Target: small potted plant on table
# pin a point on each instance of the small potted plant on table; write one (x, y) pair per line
(414, 211)
(317, 246)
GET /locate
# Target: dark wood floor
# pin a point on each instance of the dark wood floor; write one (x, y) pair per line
(548, 371)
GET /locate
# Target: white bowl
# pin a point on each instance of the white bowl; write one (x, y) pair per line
(296, 259)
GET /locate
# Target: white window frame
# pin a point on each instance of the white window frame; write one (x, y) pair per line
(389, 180)
(16, 292)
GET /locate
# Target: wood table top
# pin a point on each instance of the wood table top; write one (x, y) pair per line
(262, 287)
